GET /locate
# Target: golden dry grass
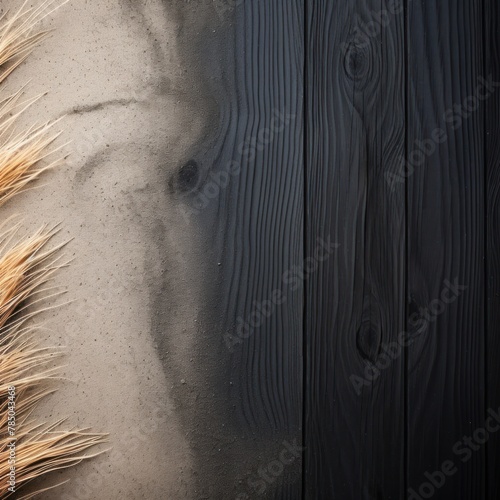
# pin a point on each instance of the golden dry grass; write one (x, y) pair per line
(17, 38)
(40, 448)
(25, 266)
(20, 151)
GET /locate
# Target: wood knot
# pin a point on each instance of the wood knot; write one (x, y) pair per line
(186, 179)
(417, 321)
(368, 342)
(357, 63)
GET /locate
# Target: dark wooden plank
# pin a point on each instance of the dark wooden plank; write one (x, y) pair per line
(492, 131)
(243, 189)
(446, 244)
(354, 425)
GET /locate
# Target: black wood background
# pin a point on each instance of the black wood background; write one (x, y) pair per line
(403, 170)
(383, 359)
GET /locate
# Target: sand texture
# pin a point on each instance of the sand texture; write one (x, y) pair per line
(131, 113)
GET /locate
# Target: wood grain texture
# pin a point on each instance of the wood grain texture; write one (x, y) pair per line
(446, 238)
(248, 204)
(492, 159)
(400, 177)
(355, 301)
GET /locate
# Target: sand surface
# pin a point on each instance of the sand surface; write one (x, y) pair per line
(132, 110)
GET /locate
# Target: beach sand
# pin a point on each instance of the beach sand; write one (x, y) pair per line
(131, 112)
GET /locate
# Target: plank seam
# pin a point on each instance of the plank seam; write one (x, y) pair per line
(406, 423)
(485, 229)
(304, 234)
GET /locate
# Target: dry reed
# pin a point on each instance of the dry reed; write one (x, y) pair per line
(26, 369)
